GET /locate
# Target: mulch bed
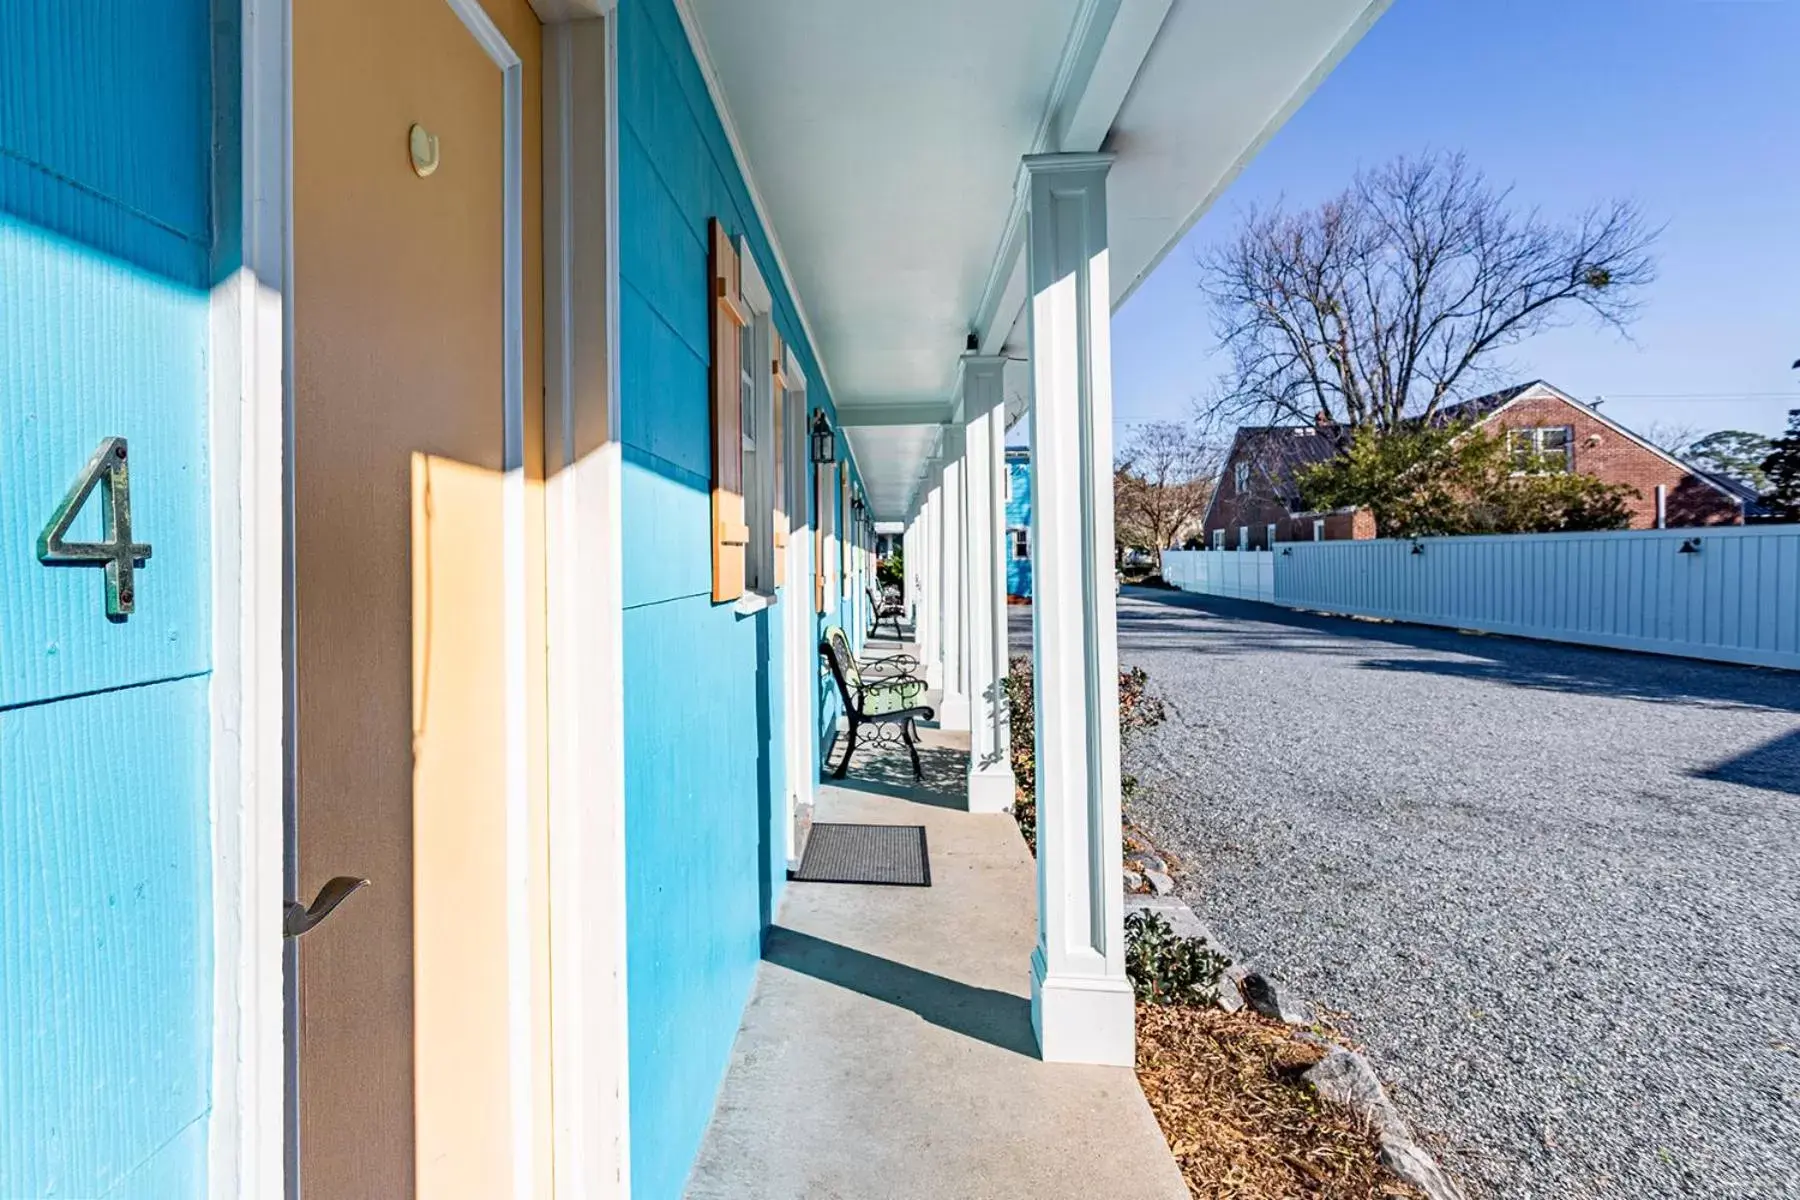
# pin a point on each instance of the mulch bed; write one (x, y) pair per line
(1227, 1090)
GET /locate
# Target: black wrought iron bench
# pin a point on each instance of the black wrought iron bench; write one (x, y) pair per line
(883, 609)
(886, 703)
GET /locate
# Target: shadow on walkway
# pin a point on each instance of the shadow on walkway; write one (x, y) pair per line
(997, 1018)
(1214, 625)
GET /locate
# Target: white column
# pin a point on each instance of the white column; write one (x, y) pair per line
(984, 415)
(930, 659)
(909, 567)
(953, 705)
(1081, 1002)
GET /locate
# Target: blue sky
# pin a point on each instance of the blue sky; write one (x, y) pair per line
(1689, 107)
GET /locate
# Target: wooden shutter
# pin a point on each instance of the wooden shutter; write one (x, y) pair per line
(779, 451)
(730, 532)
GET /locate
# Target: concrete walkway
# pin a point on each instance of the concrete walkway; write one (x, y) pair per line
(887, 1050)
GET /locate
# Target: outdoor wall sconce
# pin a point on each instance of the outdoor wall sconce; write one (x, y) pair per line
(1288, 553)
(824, 442)
(1690, 546)
(1418, 548)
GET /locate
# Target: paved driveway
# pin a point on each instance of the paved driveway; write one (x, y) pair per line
(1556, 890)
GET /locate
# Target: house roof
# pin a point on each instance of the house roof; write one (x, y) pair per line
(1281, 452)
(1746, 495)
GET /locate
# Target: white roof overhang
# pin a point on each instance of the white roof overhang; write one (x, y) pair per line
(881, 143)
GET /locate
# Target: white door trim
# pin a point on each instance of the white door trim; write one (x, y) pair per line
(590, 1111)
(250, 334)
(516, 541)
(801, 672)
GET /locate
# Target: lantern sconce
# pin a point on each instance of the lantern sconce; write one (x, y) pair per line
(824, 441)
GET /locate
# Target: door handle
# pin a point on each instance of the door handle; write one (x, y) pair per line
(296, 920)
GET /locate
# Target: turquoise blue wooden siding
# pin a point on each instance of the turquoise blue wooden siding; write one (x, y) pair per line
(92, 347)
(105, 126)
(105, 943)
(106, 258)
(705, 847)
(1018, 516)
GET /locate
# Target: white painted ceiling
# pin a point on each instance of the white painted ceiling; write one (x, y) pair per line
(883, 140)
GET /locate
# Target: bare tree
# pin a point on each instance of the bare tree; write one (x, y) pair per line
(1162, 483)
(1388, 302)
(1673, 436)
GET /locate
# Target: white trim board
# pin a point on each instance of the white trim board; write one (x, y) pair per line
(514, 549)
(590, 1118)
(250, 334)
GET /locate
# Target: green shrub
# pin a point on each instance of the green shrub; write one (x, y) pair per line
(1137, 711)
(1167, 969)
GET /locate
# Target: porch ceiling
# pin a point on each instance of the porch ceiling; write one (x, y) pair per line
(883, 144)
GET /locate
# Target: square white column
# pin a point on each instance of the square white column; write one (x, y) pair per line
(983, 412)
(953, 705)
(1081, 1001)
(930, 647)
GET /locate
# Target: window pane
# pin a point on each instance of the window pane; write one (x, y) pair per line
(747, 385)
(1523, 447)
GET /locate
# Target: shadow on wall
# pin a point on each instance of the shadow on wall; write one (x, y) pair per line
(1774, 765)
(997, 1018)
(1219, 626)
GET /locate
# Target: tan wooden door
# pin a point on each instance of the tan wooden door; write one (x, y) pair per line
(417, 597)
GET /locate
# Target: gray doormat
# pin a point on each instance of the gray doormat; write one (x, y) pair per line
(886, 854)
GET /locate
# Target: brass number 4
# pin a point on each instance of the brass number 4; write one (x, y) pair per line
(118, 554)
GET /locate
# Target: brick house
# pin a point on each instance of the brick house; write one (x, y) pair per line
(1258, 498)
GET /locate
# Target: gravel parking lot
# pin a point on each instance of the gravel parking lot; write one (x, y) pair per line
(1556, 891)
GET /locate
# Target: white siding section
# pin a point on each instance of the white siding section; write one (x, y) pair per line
(1735, 598)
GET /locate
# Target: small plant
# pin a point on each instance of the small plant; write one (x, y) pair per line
(1169, 969)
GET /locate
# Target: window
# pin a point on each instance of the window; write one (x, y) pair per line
(1240, 477)
(1551, 448)
(1021, 543)
(1318, 531)
(1218, 539)
(749, 512)
(1243, 537)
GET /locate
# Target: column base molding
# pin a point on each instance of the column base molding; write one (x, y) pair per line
(991, 789)
(1083, 1019)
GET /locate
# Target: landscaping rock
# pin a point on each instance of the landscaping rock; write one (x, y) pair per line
(1160, 882)
(1345, 1077)
(1134, 882)
(1266, 997)
(1146, 863)
(1408, 1160)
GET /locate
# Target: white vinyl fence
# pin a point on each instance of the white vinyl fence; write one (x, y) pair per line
(1730, 594)
(1240, 574)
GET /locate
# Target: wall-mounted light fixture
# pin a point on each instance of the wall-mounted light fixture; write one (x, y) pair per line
(824, 442)
(1418, 548)
(1690, 546)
